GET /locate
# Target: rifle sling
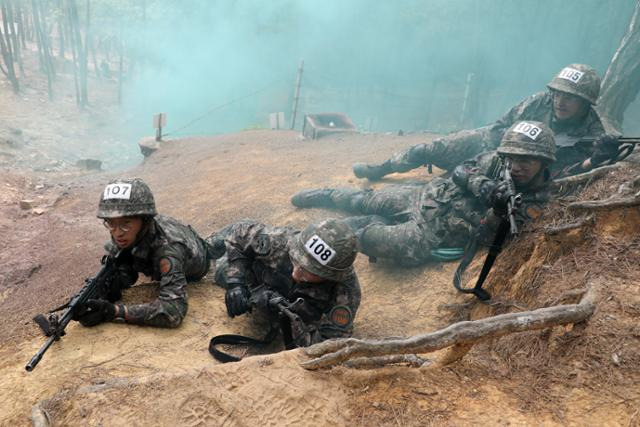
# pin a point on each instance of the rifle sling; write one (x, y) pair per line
(233, 339)
(494, 250)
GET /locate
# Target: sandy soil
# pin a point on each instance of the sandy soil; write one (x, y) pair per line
(117, 374)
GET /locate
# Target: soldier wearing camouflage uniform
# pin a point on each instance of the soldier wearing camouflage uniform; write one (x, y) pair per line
(157, 246)
(446, 213)
(264, 264)
(567, 108)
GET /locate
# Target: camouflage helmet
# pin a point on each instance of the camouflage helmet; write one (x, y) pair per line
(326, 249)
(529, 138)
(126, 197)
(577, 79)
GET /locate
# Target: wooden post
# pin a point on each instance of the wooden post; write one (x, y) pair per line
(296, 95)
(466, 101)
(159, 121)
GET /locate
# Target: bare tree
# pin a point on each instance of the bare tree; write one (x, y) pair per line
(621, 82)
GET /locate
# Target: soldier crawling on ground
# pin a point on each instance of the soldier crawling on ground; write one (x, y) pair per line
(157, 246)
(567, 109)
(311, 271)
(408, 223)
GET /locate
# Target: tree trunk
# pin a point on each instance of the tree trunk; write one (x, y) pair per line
(46, 62)
(21, 26)
(84, 65)
(7, 50)
(74, 46)
(621, 82)
(15, 41)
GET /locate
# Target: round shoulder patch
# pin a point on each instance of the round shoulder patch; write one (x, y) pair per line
(165, 265)
(340, 316)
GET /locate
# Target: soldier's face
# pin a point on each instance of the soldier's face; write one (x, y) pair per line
(567, 106)
(524, 169)
(124, 230)
(299, 274)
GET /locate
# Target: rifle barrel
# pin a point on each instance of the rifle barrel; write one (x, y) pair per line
(38, 356)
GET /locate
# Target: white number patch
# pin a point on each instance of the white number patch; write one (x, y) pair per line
(117, 191)
(528, 129)
(319, 249)
(571, 74)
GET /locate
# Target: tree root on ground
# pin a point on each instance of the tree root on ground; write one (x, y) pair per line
(565, 185)
(613, 202)
(460, 336)
(557, 229)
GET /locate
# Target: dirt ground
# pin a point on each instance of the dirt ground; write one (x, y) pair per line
(117, 374)
(114, 375)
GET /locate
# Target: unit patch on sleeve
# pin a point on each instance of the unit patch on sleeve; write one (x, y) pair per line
(340, 316)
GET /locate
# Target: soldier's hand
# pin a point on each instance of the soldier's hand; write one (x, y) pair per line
(96, 311)
(499, 198)
(605, 149)
(268, 300)
(495, 195)
(237, 300)
(300, 333)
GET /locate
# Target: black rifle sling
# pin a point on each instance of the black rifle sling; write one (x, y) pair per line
(494, 250)
(233, 339)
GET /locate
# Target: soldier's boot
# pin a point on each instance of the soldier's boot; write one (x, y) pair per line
(372, 171)
(320, 198)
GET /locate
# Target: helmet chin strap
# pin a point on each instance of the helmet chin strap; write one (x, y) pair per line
(147, 223)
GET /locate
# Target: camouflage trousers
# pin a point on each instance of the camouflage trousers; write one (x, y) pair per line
(407, 241)
(445, 153)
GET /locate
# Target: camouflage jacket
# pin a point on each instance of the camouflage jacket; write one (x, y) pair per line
(452, 150)
(171, 253)
(453, 210)
(258, 257)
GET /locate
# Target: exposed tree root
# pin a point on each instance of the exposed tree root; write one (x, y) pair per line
(565, 185)
(461, 335)
(614, 202)
(379, 362)
(552, 230)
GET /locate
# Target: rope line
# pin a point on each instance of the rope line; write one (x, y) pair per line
(221, 106)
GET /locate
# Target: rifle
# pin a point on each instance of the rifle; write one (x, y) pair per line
(507, 225)
(626, 146)
(99, 286)
(278, 304)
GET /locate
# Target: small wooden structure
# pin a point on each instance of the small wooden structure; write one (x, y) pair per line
(318, 125)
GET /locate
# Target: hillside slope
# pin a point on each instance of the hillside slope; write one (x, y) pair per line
(115, 374)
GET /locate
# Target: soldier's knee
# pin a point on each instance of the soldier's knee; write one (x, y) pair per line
(348, 199)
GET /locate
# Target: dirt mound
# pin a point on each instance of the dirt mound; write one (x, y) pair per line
(116, 374)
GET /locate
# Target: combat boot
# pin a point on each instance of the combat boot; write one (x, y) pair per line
(320, 198)
(372, 172)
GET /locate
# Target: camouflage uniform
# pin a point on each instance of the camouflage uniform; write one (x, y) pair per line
(171, 253)
(258, 256)
(450, 151)
(436, 215)
(442, 213)
(164, 249)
